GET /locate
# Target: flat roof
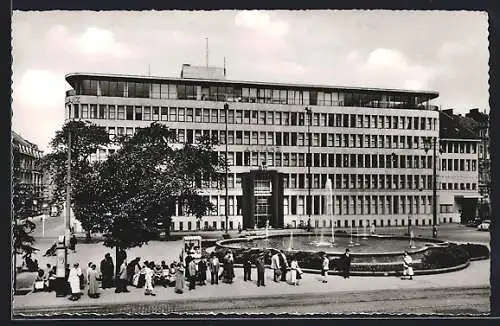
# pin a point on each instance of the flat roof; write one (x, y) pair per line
(75, 76)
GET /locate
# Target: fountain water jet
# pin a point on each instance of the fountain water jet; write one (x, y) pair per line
(351, 243)
(364, 232)
(357, 236)
(290, 245)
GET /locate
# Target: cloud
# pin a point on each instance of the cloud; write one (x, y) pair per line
(262, 23)
(38, 105)
(389, 68)
(93, 42)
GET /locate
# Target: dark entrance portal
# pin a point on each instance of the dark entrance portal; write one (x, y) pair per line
(262, 199)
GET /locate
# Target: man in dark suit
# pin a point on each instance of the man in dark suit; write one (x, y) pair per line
(346, 264)
(260, 261)
(283, 265)
(247, 267)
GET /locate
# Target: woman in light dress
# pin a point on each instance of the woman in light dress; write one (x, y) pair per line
(295, 271)
(74, 282)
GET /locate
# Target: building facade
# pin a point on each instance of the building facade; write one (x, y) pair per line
(481, 126)
(458, 175)
(25, 167)
(369, 142)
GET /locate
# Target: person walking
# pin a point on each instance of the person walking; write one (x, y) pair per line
(325, 267)
(283, 265)
(295, 271)
(214, 266)
(260, 263)
(74, 282)
(193, 267)
(72, 242)
(239, 228)
(202, 270)
(275, 265)
(407, 266)
(148, 286)
(228, 273)
(121, 282)
(372, 228)
(93, 278)
(179, 278)
(346, 264)
(107, 271)
(247, 267)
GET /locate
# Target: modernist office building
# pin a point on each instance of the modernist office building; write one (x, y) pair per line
(369, 142)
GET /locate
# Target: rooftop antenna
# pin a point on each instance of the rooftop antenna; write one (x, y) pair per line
(206, 51)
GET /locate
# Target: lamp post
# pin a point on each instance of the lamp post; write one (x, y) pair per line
(309, 162)
(226, 204)
(428, 143)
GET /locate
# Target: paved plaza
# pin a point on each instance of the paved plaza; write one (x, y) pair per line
(473, 278)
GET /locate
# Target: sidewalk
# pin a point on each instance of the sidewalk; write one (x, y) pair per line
(475, 276)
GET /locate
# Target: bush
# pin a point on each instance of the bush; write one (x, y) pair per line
(442, 257)
(476, 250)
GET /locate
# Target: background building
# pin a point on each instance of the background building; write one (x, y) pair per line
(369, 142)
(25, 167)
(458, 175)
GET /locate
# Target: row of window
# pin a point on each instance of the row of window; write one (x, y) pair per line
(217, 92)
(271, 138)
(458, 186)
(458, 164)
(174, 114)
(459, 147)
(325, 223)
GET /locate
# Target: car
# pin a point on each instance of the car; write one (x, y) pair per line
(474, 223)
(484, 226)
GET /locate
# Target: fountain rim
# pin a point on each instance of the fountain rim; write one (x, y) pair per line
(431, 242)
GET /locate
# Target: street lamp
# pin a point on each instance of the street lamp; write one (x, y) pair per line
(428, 144)
(226, 204)
(309, 162)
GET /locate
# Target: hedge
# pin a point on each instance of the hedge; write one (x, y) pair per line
(476, 251)
(442, 257)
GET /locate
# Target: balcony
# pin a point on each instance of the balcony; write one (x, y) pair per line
(71, 92)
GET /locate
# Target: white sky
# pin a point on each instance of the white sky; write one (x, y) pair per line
(443, 51)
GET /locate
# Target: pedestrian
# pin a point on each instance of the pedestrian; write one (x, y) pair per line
(407, 266)
(148, 286)
(179, 278)
(81, 278)
(260, 264)
(228, 267)
(72, 242)
(121, 282)
(74, 282)
(283, 265)
(325, 267)
(346, 264)
(46, 276)
(372, 228)
(214, 266)
(275, 265)
(295, 271)
(247, 267)
(93, 278)
(193, 267)
(107, 271)
(87, 271)
(308, 225)
(202, 271)
(239, 228)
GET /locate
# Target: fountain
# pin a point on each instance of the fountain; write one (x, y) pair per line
(357, 236)
(351, 243)
(412, 245)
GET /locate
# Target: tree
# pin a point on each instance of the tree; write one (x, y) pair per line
(86, 139)
(139, 185)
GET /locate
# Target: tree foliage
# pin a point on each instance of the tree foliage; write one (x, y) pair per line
(23, 197)
(86, 139)
(139, 185)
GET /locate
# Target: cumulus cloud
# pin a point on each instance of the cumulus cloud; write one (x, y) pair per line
(262, 23)
(390, 68)
(93, 42)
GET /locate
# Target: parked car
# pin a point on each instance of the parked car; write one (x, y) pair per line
(474, 223)
(484, 226)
